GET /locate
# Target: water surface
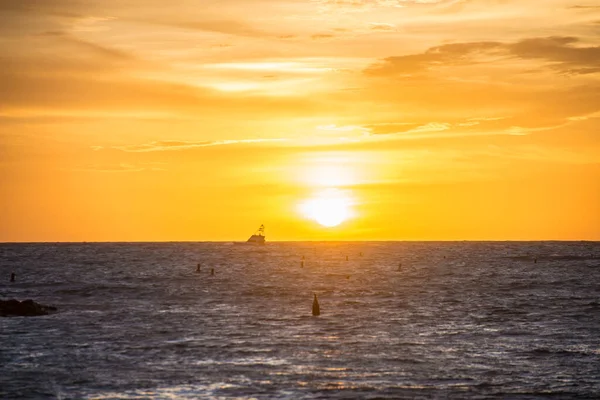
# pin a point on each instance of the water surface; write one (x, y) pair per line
(460, 320)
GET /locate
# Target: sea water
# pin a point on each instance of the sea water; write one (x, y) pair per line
(414, 320)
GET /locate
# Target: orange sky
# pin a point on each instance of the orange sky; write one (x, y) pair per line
(201, 120)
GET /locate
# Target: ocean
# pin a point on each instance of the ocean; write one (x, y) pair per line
(458, 320)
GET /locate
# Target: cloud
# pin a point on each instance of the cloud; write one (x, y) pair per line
(122, 167)
(472, 126)
(63, 8)
(174, 145)
(321, 36)
(355, 6)
(96, 86)
(88, 46)
(585, 117)
(407, 127)
(347, 131)
(561, 52)
(384, 128)
(363, 5)
(229, 27)
(449, 54)
(381, 26)
(585, 7)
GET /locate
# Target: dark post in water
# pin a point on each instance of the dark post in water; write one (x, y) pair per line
(316, 309)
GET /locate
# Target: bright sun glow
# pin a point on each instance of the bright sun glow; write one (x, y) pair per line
(329, 208)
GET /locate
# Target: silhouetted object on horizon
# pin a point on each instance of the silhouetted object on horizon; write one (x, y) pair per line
(198, 268)
(258, 237)
(25, 308)
(13, 276)
(212, 272)
(316, 310)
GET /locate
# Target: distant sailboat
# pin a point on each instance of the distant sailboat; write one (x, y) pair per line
(257, 238)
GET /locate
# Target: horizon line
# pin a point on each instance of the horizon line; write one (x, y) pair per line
(305, 241)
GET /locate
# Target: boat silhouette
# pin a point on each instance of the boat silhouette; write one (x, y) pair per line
(257, 238)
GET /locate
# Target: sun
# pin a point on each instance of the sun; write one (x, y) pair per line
(329, 207)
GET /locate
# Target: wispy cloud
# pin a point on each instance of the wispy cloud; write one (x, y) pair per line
(469, 127)
(229, 27)
(382, 26)
(89, 46)
(174, 145)
(585, 117)
(584, 7)
(322, 36)
(560, 51)
(122, 167)
(364, 5)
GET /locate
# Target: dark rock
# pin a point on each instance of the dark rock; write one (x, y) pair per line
(25, 308)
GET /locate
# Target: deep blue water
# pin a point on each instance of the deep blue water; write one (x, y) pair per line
(460, 320)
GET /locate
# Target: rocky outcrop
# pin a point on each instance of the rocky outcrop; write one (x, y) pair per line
(25, 308)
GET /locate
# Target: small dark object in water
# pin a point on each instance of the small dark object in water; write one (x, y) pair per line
(12, 276)
(535, 260)
(198, 268)
(348, 277)
(346, 258)
(303, 257)
(302, 264)
(360, 254)
(400, 267)
(212, 272)
(316, 310)
(25, 308)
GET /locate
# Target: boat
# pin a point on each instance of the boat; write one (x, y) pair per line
(257, 238)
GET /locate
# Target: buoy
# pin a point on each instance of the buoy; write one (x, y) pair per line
(12, 276)
(198, 267)
(399, 266)
(346, 258)
(360, 254)
(212, 272)
(316, 310)
(535, 260)
(302, 264)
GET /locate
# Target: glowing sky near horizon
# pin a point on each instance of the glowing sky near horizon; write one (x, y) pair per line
(201, 120)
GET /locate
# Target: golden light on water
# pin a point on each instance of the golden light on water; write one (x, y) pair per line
(329, 207)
